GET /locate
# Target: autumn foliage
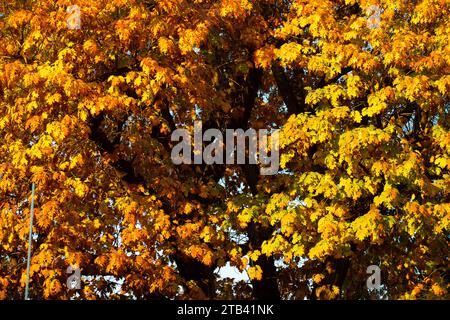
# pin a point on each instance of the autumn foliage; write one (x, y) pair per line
(359, 91)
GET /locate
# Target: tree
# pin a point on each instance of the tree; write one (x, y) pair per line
(359, 91)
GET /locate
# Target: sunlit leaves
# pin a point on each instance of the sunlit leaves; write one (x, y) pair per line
(358, 89)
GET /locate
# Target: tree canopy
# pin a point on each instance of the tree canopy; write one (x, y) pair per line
(358, 90)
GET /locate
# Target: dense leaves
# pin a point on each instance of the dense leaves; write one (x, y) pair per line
(358, 89)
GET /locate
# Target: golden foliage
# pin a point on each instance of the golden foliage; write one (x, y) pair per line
(361, 103)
